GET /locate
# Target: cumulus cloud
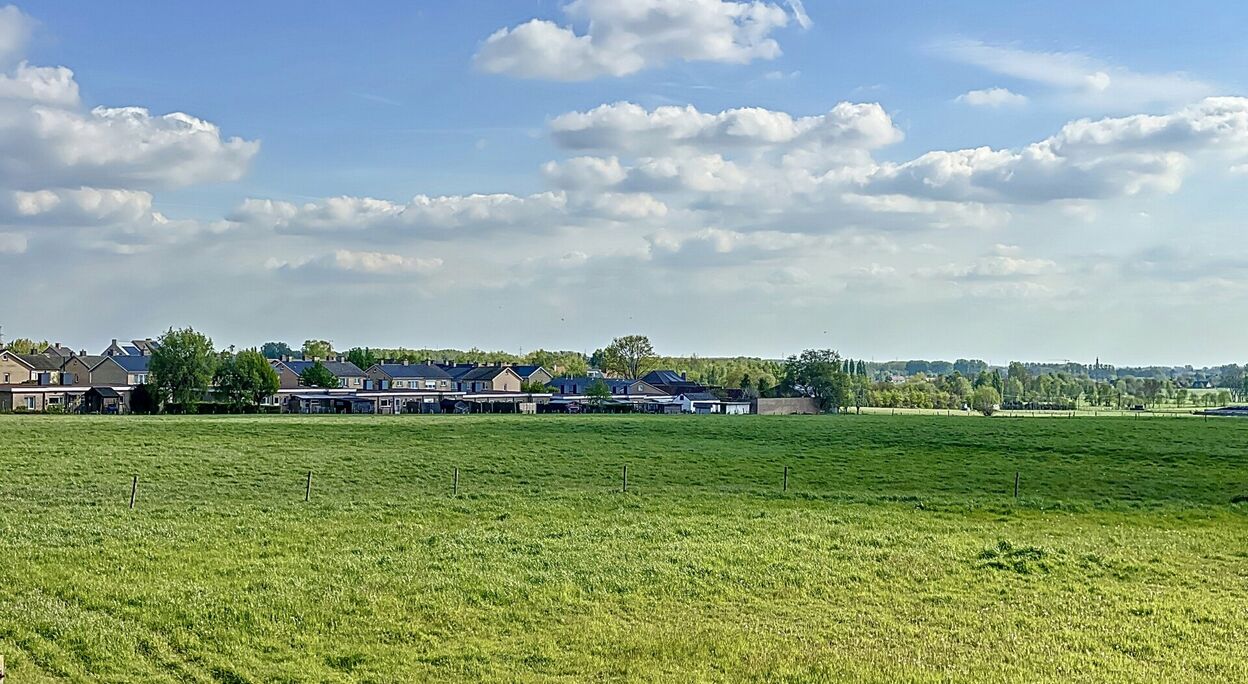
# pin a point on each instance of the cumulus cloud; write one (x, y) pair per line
(359, 263)
(992, 97)
(15, 30)
(1086, 159)
(623, 38)
(628, 127)
(1080, 78)
(423, 216)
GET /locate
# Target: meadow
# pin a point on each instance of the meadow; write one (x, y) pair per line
(898, 553)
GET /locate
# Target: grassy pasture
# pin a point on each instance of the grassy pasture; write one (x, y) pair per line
(898, 554)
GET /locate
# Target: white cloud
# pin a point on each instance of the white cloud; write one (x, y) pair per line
(15, 30)
(360, 263)
(992, 97)
(1078, 77)
(423, 216)
(799, 13)
(625, 126)
(623, 38)
(1111, 157)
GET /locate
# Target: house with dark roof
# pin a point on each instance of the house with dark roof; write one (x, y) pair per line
(39, 369)
(122, 370)
(349, 375)
(79, 366)
(471, 377)
(132, 348)
(673, 383)
(58, 351)
(407, 375)
(532, 374)
(577, 387)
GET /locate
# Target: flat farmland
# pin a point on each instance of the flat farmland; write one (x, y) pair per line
(898, 553)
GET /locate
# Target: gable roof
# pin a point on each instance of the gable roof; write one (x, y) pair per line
(88, 360)
(700, 396)
(483, 373)
(132, 364)
(527, 372)
(41, 362)
(339, 369)
(413, 370)
(665, 377)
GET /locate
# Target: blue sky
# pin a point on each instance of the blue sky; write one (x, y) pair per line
(684, 169)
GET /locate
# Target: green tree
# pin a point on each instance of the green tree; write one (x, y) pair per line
(245, 379)
(598, 393)
(182, 366)
(362, 358)
(24, 345)
(629, 356)
(276, 350)
(817, 373)
(317, 349)
(986, 400)
(317, 375)
(535, 387)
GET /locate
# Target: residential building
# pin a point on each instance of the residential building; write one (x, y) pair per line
(121, 370)
(579, 386)
(484, 378)
(533, 374)
(407, 375)
(673, 383)
(133, 348)
(79, 367)
(38, 369)
(701, 402)
(348, 375)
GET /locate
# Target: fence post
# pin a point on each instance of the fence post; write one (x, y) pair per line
(455, 484)
(786, 478)
(625, 489)
(1015, 484)
(307, 493)
(134, 490)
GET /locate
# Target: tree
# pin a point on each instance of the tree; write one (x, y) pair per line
(182, 366)
(817, 373)
(629, 356)
(317, 375)
(276, 350)
(245, 379)
(317, 349)
(986, 400)
(598, 393)
(534, 387)
(144, 400)
(24, 345)
(362, 358)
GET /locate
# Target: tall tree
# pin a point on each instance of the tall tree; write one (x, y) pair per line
(182, 366)
(985, 400)
(317, 349)
(629, 356)
(598, 393)
(276, 350)
(362, 358)
(317, 375)
(245, 379)
(817, 373)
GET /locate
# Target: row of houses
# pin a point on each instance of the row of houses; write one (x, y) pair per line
(58, 379)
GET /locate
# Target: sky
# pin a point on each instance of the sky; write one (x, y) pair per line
(1029, 180)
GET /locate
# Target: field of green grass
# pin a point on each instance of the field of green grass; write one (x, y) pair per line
(899, 552)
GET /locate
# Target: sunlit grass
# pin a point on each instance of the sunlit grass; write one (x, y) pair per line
(898, 554)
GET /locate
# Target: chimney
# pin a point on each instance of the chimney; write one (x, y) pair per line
(406, 362)
(498, 364)
(57, 346)
(82, 352)
(684, 376)
(146, 352)
(428, 362)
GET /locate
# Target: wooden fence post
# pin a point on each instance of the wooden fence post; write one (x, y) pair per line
(786, 478)
(134, 490)
(1015, 484)
(307, 492)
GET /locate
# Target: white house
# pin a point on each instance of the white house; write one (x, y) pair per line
(700, 402)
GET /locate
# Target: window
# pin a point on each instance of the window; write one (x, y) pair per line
(54, 400)
(431, 384)
(30, 403)
(6, 378)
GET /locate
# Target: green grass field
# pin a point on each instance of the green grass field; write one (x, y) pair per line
(898, 553)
